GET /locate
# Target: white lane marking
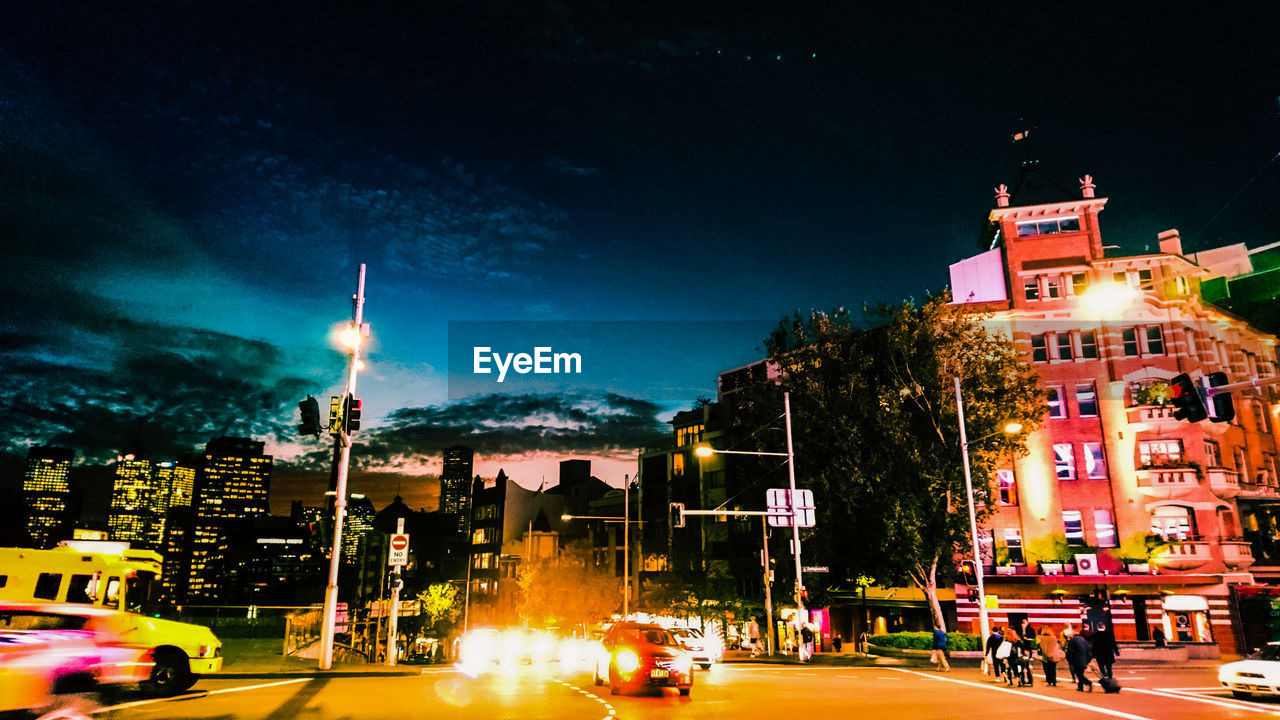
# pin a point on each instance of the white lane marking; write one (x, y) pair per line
(1046, 698)
(895, 679)
(608, 715)
(139, 703)
(1195, 689)
(1220, 702)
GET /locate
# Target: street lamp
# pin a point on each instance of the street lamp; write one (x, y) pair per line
(1011, 428)
(706, 451)
(351, 338)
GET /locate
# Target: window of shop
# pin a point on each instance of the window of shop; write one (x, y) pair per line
(1186, 619)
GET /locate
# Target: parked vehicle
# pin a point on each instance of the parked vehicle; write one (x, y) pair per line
(641, 655)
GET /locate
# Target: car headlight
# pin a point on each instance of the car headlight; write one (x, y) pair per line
(627, 661)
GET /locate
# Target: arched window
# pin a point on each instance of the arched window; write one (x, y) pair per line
(1174, 522)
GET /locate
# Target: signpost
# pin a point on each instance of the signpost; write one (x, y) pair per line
(397, 557)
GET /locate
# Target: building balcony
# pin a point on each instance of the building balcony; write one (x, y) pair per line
(1183, 555)
(1253, 491)
(1167, 482)
(1237, 555)
(1155, 417)
(1223, 482)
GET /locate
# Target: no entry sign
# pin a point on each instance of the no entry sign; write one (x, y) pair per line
(399, 554)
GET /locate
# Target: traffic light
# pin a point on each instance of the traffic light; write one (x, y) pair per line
(1220, 406)
(1187, 401)
(354, 406)
(973, 595)
(335, 415)
(310, 410)
(677, 515)
(394, 582)
(968, 573)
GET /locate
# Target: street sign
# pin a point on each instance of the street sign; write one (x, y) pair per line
(816, 568)
(779, 501)
(399, 554)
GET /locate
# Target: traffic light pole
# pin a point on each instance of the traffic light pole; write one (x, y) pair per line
(343, 441)
(795, 513)
(393, 618)
(768, 580)
(984, 622)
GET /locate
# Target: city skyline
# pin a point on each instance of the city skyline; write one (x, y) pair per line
(188, 207)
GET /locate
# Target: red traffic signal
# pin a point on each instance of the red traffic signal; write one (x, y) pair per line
(968, 573)
(1187, 402)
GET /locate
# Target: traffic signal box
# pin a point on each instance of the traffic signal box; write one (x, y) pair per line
(310, 413)
(1188, 403)
(1220, 406)
(677, 515)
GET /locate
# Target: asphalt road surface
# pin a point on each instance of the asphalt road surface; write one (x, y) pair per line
(726, 692)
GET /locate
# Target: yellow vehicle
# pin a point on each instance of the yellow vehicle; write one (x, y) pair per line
(113, 576)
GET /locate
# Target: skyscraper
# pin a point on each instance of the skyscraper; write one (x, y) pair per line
(359, 524)
(137, 502)
(455, 484)
(46, 493)
(233, 479)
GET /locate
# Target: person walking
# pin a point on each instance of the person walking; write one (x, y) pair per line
(1079, 653)
(1105, 651)
(1010, 649)
(1158, 635)
(753, 632)
(940, 650)
(806, 643)
(837, 642)
(1050, 654)
(993, 644)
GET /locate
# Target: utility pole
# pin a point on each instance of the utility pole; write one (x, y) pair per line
(626, 546)
(984, 622)
(342, 441)
(393, 619)
(768, 591)
(795, 514)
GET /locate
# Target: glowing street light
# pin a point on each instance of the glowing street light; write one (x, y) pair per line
(1108, 300)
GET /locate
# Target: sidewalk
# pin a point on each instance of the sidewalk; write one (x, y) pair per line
(845, 658)
(261, 658)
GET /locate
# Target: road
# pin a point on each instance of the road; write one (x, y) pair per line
(727, 692)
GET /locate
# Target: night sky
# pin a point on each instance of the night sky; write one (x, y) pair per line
(187, 188)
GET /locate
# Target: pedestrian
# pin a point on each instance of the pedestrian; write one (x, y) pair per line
(1105, 651)
(1050, 653)
(940, 650)
(995, 664)
(1028, 649)
(806, 643)
(1159, 637)
(1008, 651)
(753, 632)
(1079, 653)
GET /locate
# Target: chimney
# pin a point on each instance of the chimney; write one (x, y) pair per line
(1086, 186)
(1170, 242)
(1002, 196)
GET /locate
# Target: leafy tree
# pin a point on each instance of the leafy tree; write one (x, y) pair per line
(568, 590)
(877, 436)
(440, 603)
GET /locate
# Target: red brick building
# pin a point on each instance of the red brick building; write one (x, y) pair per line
(1117, 504)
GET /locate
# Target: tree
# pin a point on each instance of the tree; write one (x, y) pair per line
(568, 590)
(440, 603)
(877, 436)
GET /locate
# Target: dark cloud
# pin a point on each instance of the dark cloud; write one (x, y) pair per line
(569, 424)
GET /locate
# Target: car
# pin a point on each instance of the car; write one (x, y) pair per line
(637, 656)
(1258, 674)
(51, 649)
(706, 651)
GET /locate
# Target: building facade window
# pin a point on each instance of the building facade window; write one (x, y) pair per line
(1031, 288)
(1241, 466)
(1079, 283)
(1073, 527)
(1089, 345)
(1039, 348)
(1013, 543)
(1104, 529)
(1145, 279)
(1064, 461)
(1095, 465)
(1052, 287)
(1057, 401)
(1173, 522)
(1048, 227)
(1157, 452)
(1064, 346)
(1155, 340)
(1129, 336)
(1086, 401)
(1212, 453)
(1007, 487)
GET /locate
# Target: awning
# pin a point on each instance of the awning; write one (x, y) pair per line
(1185, 603)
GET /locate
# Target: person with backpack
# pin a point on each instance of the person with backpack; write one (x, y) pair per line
(940, 650)
(1050, 654)
(1079, 653)
(993, 644)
